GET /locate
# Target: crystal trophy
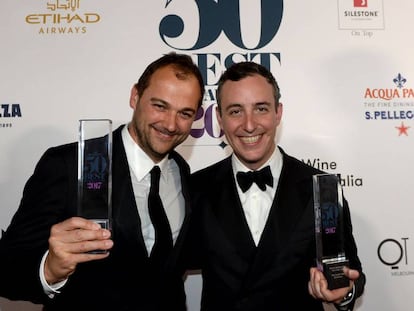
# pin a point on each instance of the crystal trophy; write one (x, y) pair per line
(95, 171)
(330, 250)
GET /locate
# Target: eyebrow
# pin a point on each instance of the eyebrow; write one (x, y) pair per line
(232, 105)
(156, 99)
(263, 103)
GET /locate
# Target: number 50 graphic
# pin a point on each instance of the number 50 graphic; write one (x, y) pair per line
(217, 16)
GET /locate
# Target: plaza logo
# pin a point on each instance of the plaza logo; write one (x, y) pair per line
(395, 103)
(231, 21)
(393, 253)
(361, 14)
(62, 17)
(8, 113)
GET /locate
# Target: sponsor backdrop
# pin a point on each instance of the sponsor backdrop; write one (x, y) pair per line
(345, 68)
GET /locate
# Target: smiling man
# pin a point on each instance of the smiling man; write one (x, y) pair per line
(45, 252)
(252, 232)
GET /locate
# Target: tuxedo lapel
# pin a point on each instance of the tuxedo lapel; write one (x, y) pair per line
(126, 221)
(289, 211)
(229, 213)
(184, 175)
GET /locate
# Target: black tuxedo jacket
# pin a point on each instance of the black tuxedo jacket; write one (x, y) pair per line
(237, 275)
(123, 281)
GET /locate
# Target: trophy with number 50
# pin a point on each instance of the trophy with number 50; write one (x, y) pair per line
(330, 250)
(95, 171)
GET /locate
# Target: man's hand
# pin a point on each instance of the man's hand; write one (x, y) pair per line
(69, 243)
(318, 286)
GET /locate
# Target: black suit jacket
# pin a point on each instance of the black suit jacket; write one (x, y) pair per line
(123, 281)
(237, 275)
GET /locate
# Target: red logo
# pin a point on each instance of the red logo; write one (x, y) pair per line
(360, 3)
(402, 129)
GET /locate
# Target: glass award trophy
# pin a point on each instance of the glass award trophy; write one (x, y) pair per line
(330, 250)
(95, 171)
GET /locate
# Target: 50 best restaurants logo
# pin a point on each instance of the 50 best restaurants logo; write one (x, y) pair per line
(218, 20)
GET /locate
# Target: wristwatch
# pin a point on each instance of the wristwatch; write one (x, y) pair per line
(343, 305)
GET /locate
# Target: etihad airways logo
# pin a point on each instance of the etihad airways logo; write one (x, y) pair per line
(62, 17)
(391, 103)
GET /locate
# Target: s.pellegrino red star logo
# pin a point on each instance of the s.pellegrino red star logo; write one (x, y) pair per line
(402, 129)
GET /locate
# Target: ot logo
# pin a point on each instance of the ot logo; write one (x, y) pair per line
(391, 252)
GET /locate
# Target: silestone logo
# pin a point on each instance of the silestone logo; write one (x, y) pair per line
(360, 3)
(393, 102)
(62, 17)
(361, 14)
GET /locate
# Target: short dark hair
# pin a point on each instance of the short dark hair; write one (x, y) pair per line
(241, 70)
(182, 62)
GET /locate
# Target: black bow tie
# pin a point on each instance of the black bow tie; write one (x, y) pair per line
(261, 178)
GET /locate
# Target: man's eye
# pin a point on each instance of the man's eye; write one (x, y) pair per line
(159, 106)
(262, 109)
(234, 112)
(187, 115)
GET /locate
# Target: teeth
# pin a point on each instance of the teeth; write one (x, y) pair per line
(250, 139)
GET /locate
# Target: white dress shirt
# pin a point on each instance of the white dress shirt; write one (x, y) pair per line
(171, 195)
(255, 202)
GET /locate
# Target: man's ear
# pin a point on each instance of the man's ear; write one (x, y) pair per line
(279, 112)
(133, 99)
(218, 116)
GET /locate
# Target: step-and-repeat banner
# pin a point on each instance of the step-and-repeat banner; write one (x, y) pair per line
(345, 69)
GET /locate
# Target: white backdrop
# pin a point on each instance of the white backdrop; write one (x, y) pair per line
(345, 68)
